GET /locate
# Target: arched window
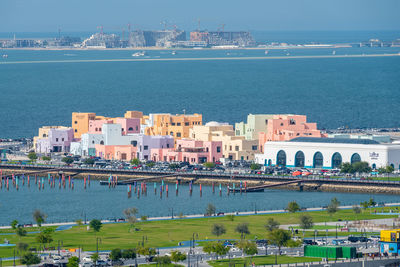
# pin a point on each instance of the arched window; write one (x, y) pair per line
(392, 165)
(269, 162)
(281, 158)
(374, 166)
(130, 129)
(355, 158)
(299, 159)
(336, 160)
(318, 160)
(101, 142)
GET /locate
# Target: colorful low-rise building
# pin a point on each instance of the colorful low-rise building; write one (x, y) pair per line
(116, 152)
(287, 127)
(255, 124)
(192, 151)
(233, 147)
(53, 139)
(175, 125)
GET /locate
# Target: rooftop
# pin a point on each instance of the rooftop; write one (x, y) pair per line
(335, 140)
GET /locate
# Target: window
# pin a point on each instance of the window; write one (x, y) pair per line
(292, 122)
(236, 148)
(186, 123)
(99, 129)
(56, 139)
(178, 134)
(75, 122)
(167, 145)
(178, 124)
(173, 123)
(76, 130)
(101, 142)
(230, 148)
(137, 128)
(281, 123)
(218, 149)
(44, 135)
(96, 129)
(92, 141)
(171, 133)
(134, 143)
(266, 122)
(145, 147)
(254, 147)
(122, 129)
(130, 129)
(62, 139)
(206, 149)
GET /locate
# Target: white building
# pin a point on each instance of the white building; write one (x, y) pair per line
(328, 153)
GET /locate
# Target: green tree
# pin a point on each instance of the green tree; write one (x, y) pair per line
(116, 254)
(39, 217)
(209, 165)
(95, 257)
(32, 156)
(95, 225)
(364, 204)
(150, 164)
(130, 215)
(173, 166)
(29, 259)
(129, 253)
(20, 232)
(73, 262)
(356, 210)
(255, 166)
(163, 260)
(333, 207)
(22, 247)
(306, 222)
(67, 160)
(361, 167)
(219, 249)
(248, 247)
(208, 247)
(135, 161)
(46, 158)
(346, 168)
(177, 256)
(243, 229)
(271, 224)
(88, 161)
(279, 238)
(210, 209)
(230, 217)
(218, 229)
(14, 224)
(293, 207)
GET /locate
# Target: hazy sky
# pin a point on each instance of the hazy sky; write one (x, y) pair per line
(85, 15)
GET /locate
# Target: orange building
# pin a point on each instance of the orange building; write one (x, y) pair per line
(177, 126)
(286, 127)
(80, 122)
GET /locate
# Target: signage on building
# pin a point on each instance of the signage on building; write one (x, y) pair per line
(374, 155)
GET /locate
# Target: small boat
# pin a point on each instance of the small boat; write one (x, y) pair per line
(288, 54)
(173, 53)
(5, 56)
(333, 52)
(266, 52)
(139, 54)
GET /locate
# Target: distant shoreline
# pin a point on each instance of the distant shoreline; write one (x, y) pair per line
(199, 59)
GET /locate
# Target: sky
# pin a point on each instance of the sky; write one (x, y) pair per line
(268, 15)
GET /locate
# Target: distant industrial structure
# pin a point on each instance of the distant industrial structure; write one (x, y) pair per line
(168, 37)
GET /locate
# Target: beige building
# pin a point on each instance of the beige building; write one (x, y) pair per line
(256, 123)
(233, 147)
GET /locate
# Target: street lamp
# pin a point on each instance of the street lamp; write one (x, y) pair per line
(59, 246)
(337, 224)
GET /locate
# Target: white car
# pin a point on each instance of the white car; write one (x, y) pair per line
(87, 259)
(233, 249)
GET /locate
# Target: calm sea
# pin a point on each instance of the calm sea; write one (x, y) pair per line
(334, 92)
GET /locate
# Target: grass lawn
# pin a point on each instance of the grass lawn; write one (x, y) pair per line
(28, 229)
(11, 263)
(167, 233)
(261, 260)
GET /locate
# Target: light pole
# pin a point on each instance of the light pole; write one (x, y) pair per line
(337, 224)
(14, 257)
(59, 246)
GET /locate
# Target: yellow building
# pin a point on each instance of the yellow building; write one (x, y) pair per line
(233, 147)
(177, 126)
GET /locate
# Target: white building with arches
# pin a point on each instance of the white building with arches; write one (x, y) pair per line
(329, 153)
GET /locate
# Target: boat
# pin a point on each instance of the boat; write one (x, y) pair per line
(5, 56)
(333, 52)
(139, 54)
(173, 53)
(266, 52)
(288, 54)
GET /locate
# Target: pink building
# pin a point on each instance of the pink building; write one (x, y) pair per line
(116, 152)
(287, 127)
(128, 125)
(191, 151)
